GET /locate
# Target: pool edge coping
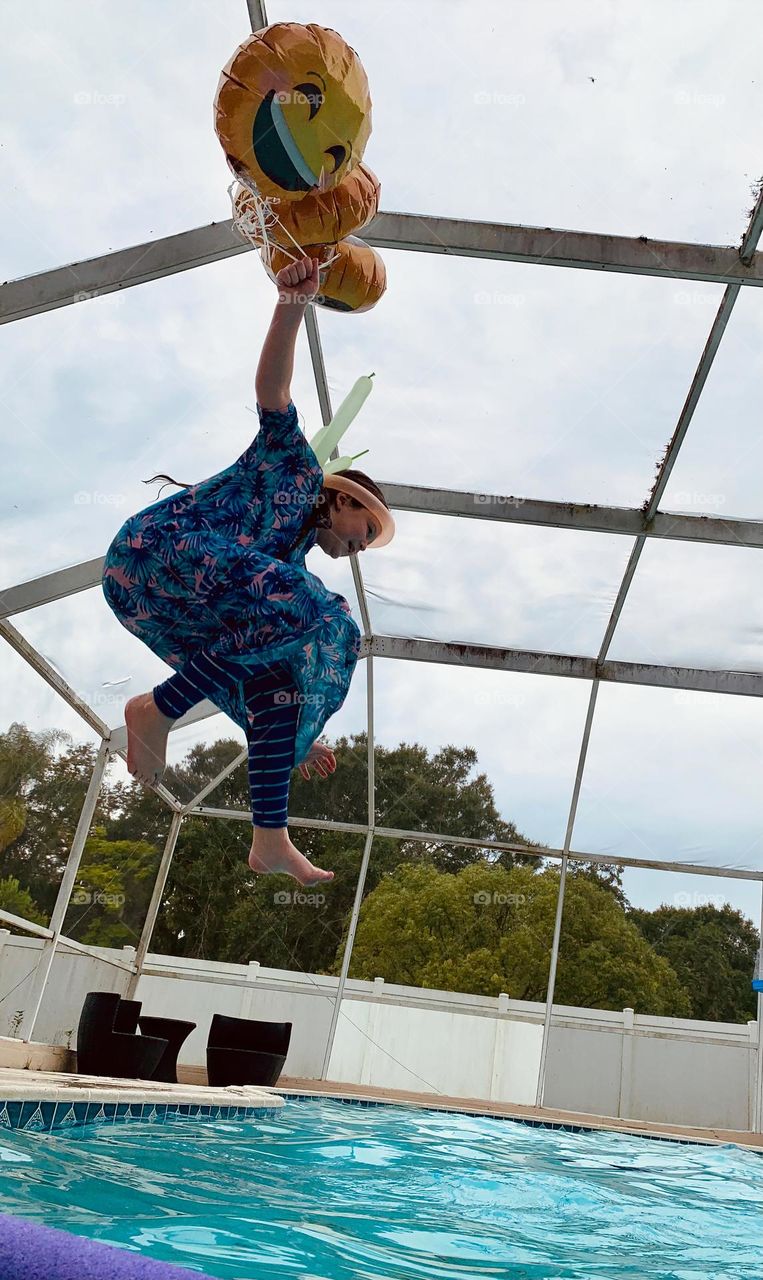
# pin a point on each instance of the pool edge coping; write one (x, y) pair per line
(112, 1098)
(42, 1101)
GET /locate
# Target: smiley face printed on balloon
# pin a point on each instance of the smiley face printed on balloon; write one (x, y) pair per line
(293, 110)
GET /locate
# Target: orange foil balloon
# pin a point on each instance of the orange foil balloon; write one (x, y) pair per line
(321, 218)
(355, 281)
(293, 110)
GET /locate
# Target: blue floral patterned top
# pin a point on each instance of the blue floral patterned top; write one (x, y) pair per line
(265, 498)
(220, 566)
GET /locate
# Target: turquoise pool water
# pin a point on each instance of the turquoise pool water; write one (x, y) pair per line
(328, 1190)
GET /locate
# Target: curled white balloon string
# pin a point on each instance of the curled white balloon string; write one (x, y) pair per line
(256, 219)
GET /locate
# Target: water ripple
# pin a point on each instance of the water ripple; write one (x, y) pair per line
(328, 1191)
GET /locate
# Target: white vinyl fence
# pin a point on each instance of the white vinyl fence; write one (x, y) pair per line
(669, 1070)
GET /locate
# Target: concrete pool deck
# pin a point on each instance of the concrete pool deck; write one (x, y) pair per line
(51, 1100)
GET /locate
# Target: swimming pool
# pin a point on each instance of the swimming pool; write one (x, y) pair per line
(328, 1190)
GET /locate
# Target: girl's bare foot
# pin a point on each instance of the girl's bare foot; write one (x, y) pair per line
(147, 731)
(273, 852)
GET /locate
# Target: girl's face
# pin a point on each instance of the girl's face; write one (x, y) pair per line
(352, 529)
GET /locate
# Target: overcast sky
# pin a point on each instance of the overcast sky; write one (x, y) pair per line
(628, 118)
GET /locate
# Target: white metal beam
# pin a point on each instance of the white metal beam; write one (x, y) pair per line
(580, 516)
(496, 846)
(202, 711)
(18, 922)
(526, 661)
(155, 903)
(43, 966)
(537, 662)
(324, 401)
(730, 295)
(40, 931)
(78, 282)
(362, 873)
(83, 949)
(473, 505)
(49, 587)
(27, 651)
(556, 247)
(116, 741)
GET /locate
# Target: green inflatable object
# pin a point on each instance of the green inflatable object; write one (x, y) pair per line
(329, 436)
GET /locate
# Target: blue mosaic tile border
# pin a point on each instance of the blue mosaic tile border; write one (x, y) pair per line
(49, 1116)
(565, 1126)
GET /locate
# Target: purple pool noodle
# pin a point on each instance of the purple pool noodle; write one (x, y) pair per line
(29, 1251)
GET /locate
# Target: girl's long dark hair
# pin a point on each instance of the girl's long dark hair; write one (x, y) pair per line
(321, 509)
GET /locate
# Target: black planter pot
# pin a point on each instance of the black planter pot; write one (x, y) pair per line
(174, 1031)
(243, 1066)
(246, 1051)
(102, 1051)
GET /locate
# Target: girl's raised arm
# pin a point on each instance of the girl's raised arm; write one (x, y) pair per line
(298, 284)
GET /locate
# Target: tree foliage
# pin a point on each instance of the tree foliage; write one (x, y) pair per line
(420, 922)
(44, 791)
(114, 884)
(19, 901)
(712, 949)
(489, 929)
(214, 907)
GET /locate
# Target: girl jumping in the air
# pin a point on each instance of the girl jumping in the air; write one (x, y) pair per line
(213, 580)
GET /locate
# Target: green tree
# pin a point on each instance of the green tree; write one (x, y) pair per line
(114, 882)
(488, 929)
(214, 907)
(19, 901)
(712, 949)
(43, 789)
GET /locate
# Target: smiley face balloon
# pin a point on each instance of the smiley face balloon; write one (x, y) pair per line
(353, 278)
(293, 110)
(315, 219)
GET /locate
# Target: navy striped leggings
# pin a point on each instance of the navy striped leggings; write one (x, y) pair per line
(270, 697)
